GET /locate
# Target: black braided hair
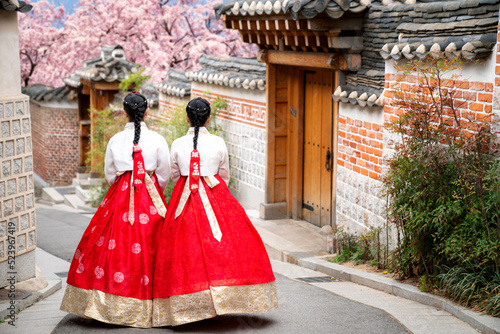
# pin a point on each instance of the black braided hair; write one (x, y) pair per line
(135, 106)
(198, 112)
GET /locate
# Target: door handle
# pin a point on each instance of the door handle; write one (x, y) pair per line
(329, 161)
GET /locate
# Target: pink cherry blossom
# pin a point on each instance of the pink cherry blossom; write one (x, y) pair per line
(157, 34)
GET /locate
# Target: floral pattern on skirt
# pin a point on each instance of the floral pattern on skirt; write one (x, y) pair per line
(116, 259)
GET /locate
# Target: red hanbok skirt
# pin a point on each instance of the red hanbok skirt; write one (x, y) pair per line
(198, 277)
(111, 274)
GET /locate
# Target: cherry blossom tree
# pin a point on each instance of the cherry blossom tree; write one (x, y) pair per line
(157, 34)
(40, 32)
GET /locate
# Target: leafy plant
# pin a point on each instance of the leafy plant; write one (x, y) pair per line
(134, 80)
(443, 186)
(363, 248)
(105, 124)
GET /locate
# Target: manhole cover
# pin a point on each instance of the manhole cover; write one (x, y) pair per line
(6, 294)
(320, 279)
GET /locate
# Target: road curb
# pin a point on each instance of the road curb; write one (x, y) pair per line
(484, 323)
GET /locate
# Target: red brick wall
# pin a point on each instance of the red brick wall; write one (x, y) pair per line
(472, 98)
(360, 146)
(56, 148)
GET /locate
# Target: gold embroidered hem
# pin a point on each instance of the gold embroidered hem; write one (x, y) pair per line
(182, 309)
(107, 308)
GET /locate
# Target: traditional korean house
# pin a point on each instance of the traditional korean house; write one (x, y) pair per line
(330, 66)
(96, 85)
(55, 127)
(240, 83)
(17, 198)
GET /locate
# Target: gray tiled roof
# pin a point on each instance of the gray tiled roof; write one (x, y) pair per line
(460, 28)
(44, 93)
(463, 28)
(364, 96)
(429, 23)
(15, 5)
(246, 73)
(110, 66)
(177, 84)
(294, 8)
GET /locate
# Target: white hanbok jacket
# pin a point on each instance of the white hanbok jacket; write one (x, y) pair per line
(154, 151)
(214, 158)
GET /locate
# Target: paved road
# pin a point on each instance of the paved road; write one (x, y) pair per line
(302, 308)
(60, 231)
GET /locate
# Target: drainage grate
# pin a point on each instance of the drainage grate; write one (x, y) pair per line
(64, 274)
(320, 279)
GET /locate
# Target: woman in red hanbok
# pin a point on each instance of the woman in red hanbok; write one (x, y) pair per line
(210, 260)
(110, 278)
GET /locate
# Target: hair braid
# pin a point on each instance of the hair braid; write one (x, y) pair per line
(135, 106)
(198, 111)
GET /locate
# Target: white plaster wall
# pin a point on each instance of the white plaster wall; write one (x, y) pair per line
(10, 65)
(484, 71)
(367, 114)
(246, 145)
(256, 95)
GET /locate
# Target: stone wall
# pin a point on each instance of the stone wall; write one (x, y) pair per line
(56, 145)
(17, 211)
(17, 196)
(243, 128)
(359, 204)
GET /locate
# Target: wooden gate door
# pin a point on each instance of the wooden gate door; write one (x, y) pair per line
(318, 148)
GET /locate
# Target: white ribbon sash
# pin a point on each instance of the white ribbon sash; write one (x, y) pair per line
(153, 193)
(186, 192)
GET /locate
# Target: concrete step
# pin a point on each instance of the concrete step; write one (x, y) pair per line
(52, 195)
(83, 193)
(82, 176)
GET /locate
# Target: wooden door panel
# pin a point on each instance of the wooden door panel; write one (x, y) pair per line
(326, 146)
(317, 189)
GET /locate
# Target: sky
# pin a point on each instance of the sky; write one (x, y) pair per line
(69, 5)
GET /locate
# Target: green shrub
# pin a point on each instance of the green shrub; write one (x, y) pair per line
(444, 189)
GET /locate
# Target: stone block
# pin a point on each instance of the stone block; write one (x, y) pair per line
(271, 211)
(33, 219)
(21, 242)
(26, 126)
(20, 146)
(25, 221)
(28, 164)
(9, 148)
(19, 108)
(6, 169)
(21, 184)
(29, 201)
(25, 268)
(2, 251)
(5, 129)
(31, 239)
(13, 224)
(2, 189)
(18, 166)
(19, 204)
(1, 110)
(1, 150)
(30, 182)
(11, 187)
(28, 144)
(9, 110)
(16, 127)
(3, 229)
